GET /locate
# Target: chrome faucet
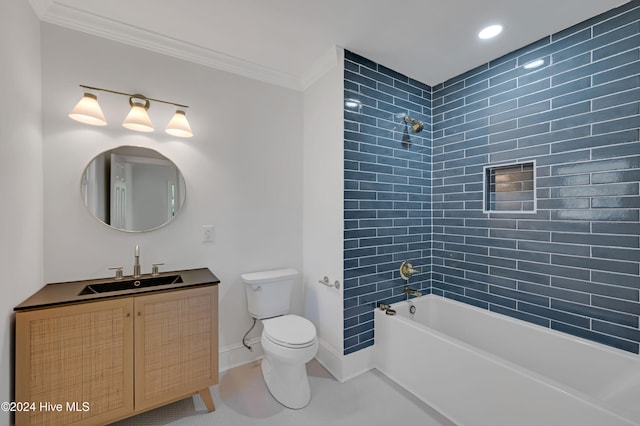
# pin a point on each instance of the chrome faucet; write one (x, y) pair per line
(136, 265)
(409, 291)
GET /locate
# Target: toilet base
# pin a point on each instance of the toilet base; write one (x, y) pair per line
(290, 387)
(285, 373)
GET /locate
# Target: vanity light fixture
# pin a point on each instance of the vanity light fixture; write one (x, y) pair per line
(179, 126)
(490, 32)
(88, 111)
(138, 119)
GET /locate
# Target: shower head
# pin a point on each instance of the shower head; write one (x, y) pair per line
(416, 125)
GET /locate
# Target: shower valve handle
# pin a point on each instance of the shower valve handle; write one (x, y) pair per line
(406, 270)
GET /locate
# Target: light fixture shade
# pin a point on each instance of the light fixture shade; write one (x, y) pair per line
(179, 126)
(138, 119)
(88, 111)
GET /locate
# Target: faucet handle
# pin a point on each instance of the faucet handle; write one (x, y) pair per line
(118, 270)
(155, 270)
(406, 270)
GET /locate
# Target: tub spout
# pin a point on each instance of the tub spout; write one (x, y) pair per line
(387, 309)
(409, 291)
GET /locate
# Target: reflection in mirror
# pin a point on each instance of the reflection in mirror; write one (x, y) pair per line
(133, 189)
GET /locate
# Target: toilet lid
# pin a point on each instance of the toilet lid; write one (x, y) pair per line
(290, 330)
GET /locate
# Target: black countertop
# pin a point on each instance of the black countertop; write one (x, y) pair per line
(55, 294)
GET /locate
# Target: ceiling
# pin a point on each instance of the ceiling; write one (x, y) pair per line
(291, 42)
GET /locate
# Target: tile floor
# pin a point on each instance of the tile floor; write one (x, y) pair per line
(242, 399)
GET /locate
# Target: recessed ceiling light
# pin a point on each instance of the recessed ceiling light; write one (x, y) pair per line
(534, 64)
(490, 32)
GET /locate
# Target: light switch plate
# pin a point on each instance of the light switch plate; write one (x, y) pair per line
(207, 233)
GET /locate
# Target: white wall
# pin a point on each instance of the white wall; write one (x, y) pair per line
(243, 170)
(20, 173)
(323, 223)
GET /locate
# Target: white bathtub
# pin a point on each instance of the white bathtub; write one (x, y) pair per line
(479, 368)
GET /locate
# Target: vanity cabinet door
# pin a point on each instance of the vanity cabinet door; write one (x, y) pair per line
(176, 346)
(74, 364)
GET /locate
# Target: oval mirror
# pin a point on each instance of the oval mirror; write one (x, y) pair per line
(133, 189)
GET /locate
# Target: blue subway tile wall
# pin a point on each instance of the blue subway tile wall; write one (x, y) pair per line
(574, 265)
(387, 192)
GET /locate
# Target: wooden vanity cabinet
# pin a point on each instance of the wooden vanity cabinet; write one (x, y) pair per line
(176, 346)
(75, 354)
(97, 362)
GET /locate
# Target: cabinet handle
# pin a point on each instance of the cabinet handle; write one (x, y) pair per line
(139, 314)
(128, 314)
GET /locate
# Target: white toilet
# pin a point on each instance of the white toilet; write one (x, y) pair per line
(288, 341)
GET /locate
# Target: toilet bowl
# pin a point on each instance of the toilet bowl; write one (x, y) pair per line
(288, 342)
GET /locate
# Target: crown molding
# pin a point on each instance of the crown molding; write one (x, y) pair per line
(40, 6)
(55, 13)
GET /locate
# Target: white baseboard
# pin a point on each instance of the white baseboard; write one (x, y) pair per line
(344, 367)
(235, 355)
(330, 360)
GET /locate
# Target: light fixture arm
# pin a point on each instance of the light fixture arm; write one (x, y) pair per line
(133, 95)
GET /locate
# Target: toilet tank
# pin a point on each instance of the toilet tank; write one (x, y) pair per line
(269, 292)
